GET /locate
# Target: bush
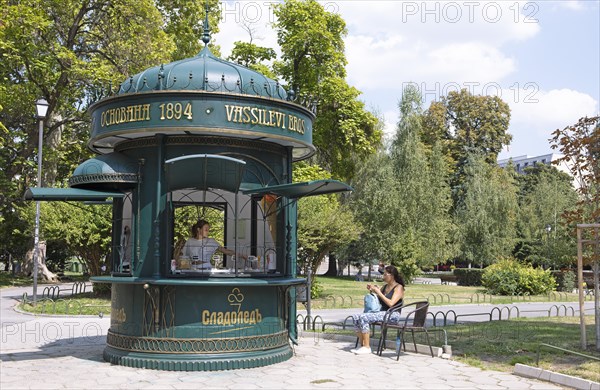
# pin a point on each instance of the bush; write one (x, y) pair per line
(102, 290)
(408, 269)
(316, 289)
(509, 277)
(468, 276)
(566, 280)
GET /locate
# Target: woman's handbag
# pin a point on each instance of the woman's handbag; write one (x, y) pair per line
(372, 303)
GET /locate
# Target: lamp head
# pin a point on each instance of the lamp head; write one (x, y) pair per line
(41, 106)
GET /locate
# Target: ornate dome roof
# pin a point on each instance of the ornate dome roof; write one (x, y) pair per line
(109, 171)
(204, 72)
(203, 96)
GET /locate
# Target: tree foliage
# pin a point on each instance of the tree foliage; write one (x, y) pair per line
(403, 198)
(422, 186)
(313, 65)
(545, 238)
(486, 215)
(68, 53)
(580, 147)
(253, 56)
(462, 124)
(83, 229)
(469, 124)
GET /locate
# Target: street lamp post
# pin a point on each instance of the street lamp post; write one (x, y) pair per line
(42, 109)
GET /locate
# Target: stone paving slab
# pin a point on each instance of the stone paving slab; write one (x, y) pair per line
(66, 353)
(71, 358)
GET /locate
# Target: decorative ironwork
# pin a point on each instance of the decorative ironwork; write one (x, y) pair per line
(196, 345)
(151, 316)
(75, 181)
(167, 309)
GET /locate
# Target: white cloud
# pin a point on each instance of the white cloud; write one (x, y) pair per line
(390, 122)
(551, 109)
(369, 67)
(494, 22)
(470, 61)
(576, 5)
(536, 114)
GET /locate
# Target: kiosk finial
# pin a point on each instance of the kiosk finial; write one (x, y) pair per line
(206, 35)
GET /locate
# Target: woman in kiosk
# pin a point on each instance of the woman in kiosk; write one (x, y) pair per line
(389, 295)
(200, 248)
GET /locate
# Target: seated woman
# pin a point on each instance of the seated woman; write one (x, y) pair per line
(200, 248)
(391, 293)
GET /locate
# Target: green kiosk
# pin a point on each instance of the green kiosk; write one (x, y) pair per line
(196, 137)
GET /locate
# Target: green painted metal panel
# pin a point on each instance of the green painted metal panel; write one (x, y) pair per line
(203, 171)
(64, 194)
(300, 190)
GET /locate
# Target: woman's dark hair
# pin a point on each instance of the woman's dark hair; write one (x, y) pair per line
(390, 269)
(197, 226)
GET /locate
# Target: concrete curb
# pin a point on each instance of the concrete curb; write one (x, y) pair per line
(555, 377)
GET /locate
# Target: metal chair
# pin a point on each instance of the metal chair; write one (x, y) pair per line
(418, 316)
(388, 312)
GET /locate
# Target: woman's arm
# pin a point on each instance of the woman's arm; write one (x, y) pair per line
(396, 297)
(229, 252)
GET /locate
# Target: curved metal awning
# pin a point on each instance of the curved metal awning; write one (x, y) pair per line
(204, 171)
(64, 194)
(300, 190)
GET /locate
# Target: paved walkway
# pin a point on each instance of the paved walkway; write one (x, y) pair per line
(66, 353)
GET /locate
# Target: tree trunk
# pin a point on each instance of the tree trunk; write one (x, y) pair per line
(332, 270)
(43, 272)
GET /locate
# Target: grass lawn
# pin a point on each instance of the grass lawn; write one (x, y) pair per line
(7, 280)
(499, 345)
(345, 292)
(80, 304)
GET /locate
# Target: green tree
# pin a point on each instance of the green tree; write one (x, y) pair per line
(486, 214)
(375, 204)
(81, 230)
(580, 146)
(68, 53)
(313, 65)
(252, 55)
(402, 198)
(545, 194)
(463, 124)
(184, 23)
(478, 124)
(422, 187)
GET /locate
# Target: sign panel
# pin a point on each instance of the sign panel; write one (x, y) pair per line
(201, 111)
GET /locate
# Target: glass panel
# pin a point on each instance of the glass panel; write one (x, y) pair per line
(198, 253)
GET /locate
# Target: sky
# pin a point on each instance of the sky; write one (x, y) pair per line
(541, 57)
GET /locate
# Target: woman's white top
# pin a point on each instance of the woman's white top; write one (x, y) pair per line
(200, 252)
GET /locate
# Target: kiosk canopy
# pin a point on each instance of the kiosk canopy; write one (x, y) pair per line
(300, 190)
(63, 194)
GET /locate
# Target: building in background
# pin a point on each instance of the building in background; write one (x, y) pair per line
(522, 162)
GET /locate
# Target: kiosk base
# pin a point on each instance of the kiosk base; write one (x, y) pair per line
(197, 362)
